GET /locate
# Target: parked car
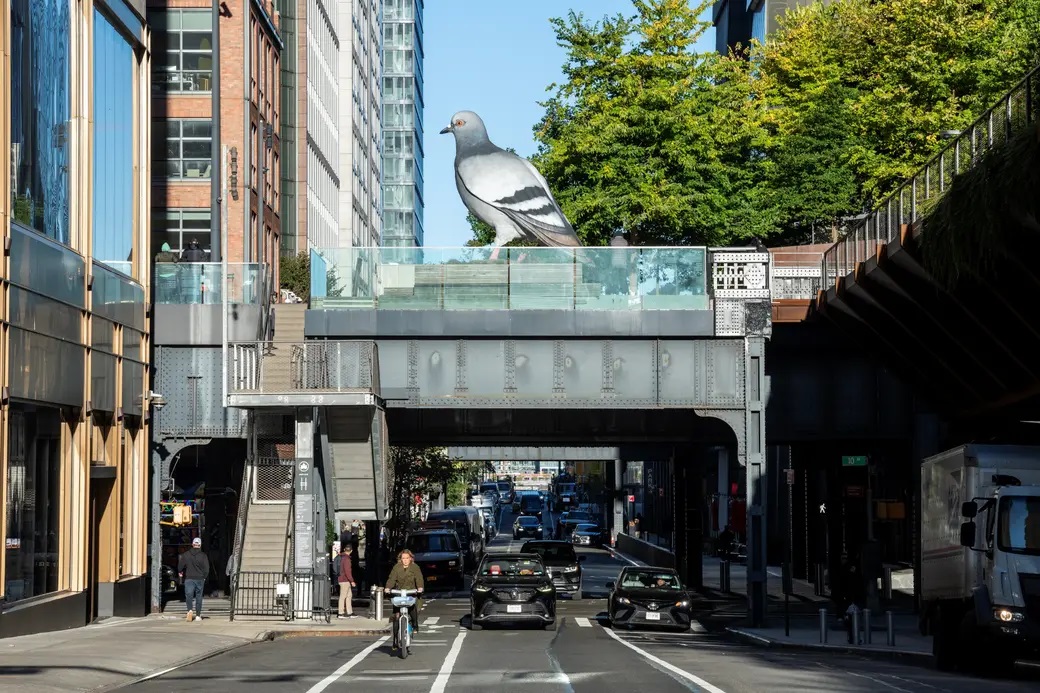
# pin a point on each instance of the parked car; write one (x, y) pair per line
(648, 596)
(512, 587)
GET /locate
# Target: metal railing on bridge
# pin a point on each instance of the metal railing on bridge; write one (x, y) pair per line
(918, 195)
(181, 283)
(296, 367)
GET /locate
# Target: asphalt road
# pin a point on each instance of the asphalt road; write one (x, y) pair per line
(581, 656)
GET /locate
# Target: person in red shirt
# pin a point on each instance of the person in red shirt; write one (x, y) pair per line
(345, 577)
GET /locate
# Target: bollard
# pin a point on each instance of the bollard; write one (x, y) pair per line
(866, 626)
(724, 576)
(854, 630)
(823, 626)
(378, 601)
(891, 629)
(887, 580)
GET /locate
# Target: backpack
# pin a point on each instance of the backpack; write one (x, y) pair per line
(336, 564)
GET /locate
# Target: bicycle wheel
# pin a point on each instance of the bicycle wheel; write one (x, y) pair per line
(402, 637)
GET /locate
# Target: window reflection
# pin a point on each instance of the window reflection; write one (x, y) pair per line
(40, 115)
(182, 148)
(113, 146)
(182, 52)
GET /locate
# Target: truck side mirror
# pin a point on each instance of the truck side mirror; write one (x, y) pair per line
(970, 509)
(968, 531)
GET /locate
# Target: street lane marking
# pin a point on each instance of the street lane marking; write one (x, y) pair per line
(432, 620)
(355, 660)
(670, 667)
(583, 622)
(441, 681)
(871, 678)
(697, 627)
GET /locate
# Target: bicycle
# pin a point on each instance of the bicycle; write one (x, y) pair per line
(403, 628)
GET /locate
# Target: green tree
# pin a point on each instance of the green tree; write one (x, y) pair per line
(646, 135)
(859, 92)
(416, 471)
(294, 274)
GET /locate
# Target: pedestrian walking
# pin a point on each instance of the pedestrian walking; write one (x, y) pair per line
(345, 578)
(193, 567)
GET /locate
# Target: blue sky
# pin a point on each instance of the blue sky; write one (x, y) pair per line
(494, 57)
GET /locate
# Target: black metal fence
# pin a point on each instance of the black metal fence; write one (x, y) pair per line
(286, 595)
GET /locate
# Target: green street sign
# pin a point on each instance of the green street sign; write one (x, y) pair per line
(854, 461)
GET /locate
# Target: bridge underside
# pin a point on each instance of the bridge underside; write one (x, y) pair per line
(969, 348)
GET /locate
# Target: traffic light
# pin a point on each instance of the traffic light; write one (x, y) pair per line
(181, 515)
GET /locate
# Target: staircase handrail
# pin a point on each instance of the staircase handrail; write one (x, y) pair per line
(244, 494)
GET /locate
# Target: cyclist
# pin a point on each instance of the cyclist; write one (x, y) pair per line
(406, 575)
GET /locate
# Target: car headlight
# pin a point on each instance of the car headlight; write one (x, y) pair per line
(481, 588)
(1007, 615)
(451, 563)
(683, 602)
(571, 569)
(624, 600)
(546, 588)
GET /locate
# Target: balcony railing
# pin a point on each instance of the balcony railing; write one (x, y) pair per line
(917, 196)
(593, 278)
(181, 283)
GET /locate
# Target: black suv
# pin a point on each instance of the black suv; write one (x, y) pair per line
(512, 587)
(527, 526)
(563, 564)
(438, 553)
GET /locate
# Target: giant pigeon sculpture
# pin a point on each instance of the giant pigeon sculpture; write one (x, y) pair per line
(504, 190)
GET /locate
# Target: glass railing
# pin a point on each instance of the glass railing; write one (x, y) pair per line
(595, 278)
(200, 283)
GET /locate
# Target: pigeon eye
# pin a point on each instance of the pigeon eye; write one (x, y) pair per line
(459, 123)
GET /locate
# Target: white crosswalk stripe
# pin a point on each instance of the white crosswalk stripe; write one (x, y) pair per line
(432, 620)
(583, 622)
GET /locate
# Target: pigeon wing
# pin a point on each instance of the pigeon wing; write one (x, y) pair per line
(513, 186)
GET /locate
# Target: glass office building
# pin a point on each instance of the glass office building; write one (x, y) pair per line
(74, 415)
(402, 123)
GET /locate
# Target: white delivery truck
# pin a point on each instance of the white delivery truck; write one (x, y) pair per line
(980, 555)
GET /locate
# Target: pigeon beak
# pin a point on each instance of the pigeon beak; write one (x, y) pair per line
(446, 130)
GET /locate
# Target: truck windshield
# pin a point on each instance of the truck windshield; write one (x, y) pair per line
(432, 543)
(1019, 525)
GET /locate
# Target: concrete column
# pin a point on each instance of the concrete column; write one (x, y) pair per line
(722, 457)
(304, 525)
(756, 394)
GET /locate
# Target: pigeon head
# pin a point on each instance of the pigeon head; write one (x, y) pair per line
(467, 127)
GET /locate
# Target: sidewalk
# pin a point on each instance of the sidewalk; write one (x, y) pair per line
(805, 635)
(118, 652)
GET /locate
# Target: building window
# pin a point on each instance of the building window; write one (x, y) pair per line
(40, 106)
(179, 227)
(182, 50)
(33, 502)
(182, 148)
(113, 147)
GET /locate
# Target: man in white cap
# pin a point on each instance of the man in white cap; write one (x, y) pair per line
(193, 566)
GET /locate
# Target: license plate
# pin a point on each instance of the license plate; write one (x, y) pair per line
(651, 616)
(513, 609)
(432, 578)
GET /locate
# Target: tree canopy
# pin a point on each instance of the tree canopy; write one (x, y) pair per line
(843, 102)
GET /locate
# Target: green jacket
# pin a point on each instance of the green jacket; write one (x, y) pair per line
(402, 578)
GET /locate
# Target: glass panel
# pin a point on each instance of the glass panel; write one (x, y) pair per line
(103, 381)
(186, 62)
(133, 387)
(132, 343)
(117, 298)
(103, 334)
(185, 283)
(33, 259)
(33, 502)
(600, 278)
(40, 107)
(41, 314)
(113, 144)
(45, 369)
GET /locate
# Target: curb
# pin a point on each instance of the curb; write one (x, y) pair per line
(181, 664)
(758, 640)
(625, 557)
